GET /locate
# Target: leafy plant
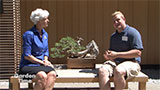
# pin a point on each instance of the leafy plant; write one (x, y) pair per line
(66, 46)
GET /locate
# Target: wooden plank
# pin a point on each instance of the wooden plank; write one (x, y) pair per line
(140, 22)
(125, 6)
(23, 16)
(28, 9)
(109, 6)
(153, 32)
(91, 20)
(52, 28)
(60, 19)
(68, 20)
(14, 83)
(159, 34)
(142, 86)
(77, 75)
(72, 80)
(83, 20)
(99, 22)
(141, 77)
(76, 18)
(89, 75)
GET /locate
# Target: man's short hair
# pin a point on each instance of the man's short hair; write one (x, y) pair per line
(117, 12)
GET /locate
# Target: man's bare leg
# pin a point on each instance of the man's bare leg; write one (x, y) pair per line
(119, 79)
(104, 79)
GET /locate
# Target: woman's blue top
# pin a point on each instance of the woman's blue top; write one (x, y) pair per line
(34, 45)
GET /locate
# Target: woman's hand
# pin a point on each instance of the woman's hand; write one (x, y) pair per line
(47, 63)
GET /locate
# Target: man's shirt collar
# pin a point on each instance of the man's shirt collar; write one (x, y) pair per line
(126, 28)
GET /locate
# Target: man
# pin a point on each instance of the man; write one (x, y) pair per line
(123, 56)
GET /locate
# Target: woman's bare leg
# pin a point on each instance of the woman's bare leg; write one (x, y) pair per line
(51, 77)
(41, 78)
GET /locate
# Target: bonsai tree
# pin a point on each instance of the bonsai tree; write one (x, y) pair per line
(66, 46)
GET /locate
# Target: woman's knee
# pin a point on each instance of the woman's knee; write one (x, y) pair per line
(52, 74)
(41, 75)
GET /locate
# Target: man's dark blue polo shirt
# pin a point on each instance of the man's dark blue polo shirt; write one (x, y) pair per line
(127, 40)
(34, 45)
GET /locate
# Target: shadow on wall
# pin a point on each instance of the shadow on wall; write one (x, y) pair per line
(153, 71)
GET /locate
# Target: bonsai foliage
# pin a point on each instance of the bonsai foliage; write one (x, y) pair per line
(66, 46)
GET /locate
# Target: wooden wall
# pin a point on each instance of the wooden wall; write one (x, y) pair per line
(91, 19)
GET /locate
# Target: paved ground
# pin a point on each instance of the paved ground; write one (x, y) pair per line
(152, 84)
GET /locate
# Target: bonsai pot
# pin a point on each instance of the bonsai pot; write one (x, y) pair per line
(80, 63)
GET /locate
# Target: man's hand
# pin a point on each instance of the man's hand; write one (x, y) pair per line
(106, 55)
(110, 55)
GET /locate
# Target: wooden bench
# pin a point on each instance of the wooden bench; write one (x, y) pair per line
(79, 75)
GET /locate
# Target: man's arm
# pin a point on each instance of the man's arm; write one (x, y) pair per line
(127, 54)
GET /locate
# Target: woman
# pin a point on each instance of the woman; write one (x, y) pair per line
(34, 60)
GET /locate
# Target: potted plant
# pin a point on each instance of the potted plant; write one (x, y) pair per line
(77, 55)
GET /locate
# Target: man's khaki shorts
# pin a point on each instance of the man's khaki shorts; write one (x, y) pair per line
(132, 68)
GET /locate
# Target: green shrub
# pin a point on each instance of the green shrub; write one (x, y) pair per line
(66, 46)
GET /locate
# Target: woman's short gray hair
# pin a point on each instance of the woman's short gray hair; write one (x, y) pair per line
(38, 15)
